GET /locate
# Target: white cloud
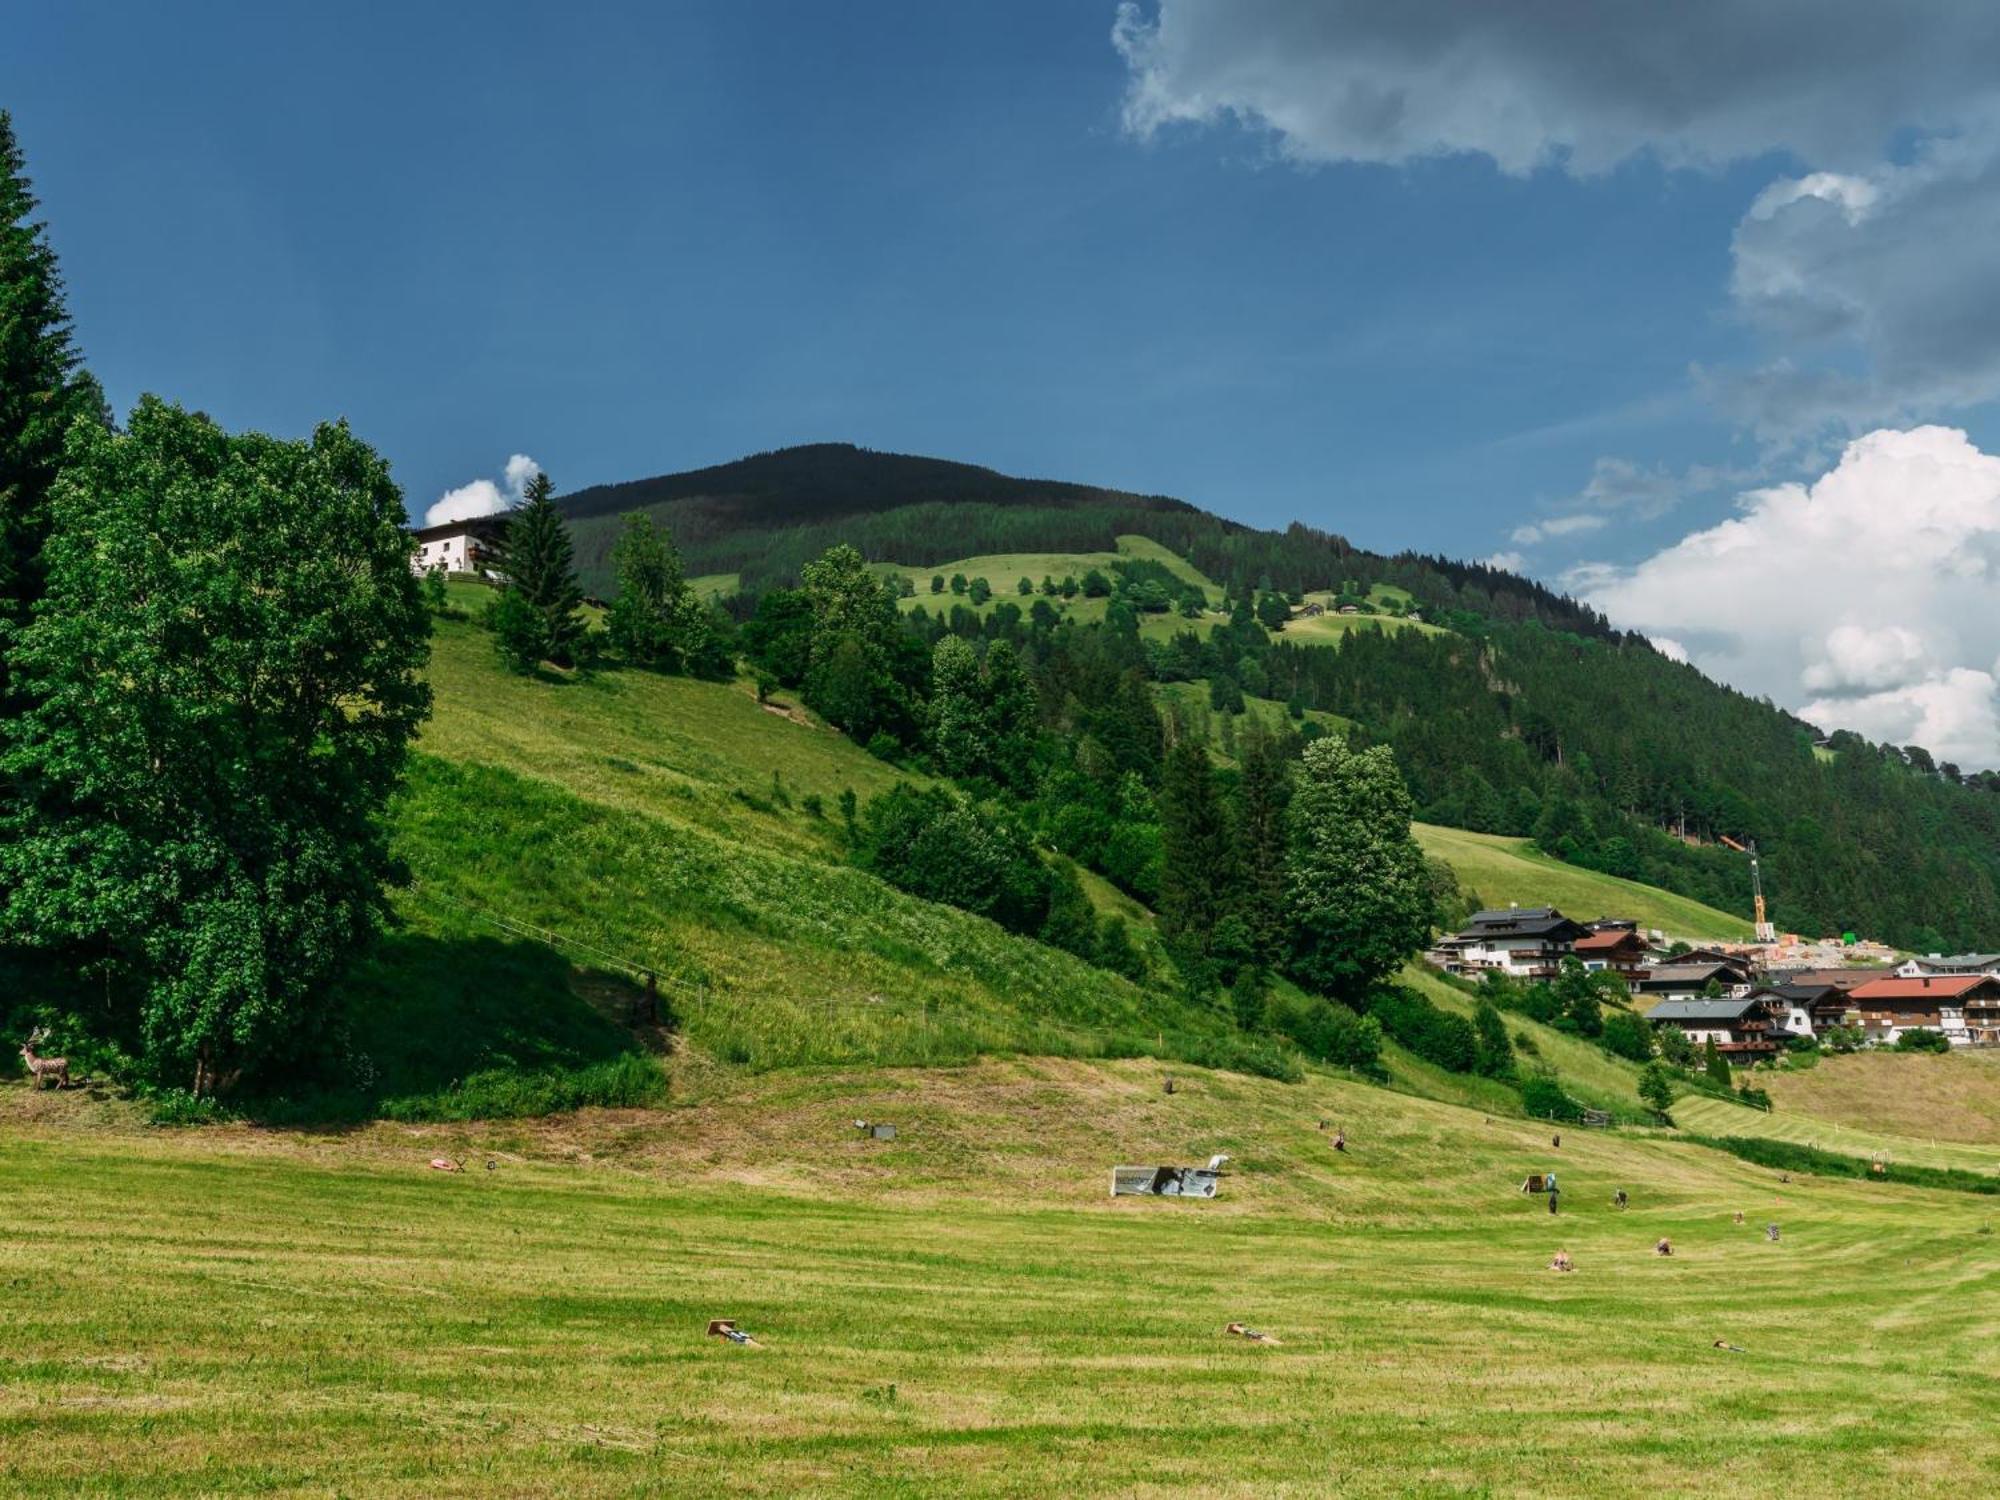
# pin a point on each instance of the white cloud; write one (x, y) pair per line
(1869, 600)
(1554, 526)
(1696, 83)
(1670, 648)
(482, 497)
(1508, 562)
(1878, 295)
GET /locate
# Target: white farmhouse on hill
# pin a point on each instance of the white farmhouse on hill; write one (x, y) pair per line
(458, 546)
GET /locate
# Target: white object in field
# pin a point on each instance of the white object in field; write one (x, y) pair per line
(1165, 1182)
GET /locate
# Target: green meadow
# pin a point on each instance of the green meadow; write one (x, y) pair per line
(964, 1311)
(303, 1306)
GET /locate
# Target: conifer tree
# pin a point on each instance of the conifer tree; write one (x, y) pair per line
(1714, 1064)
(1197, 872)
(1261, 794)
(539, 618)
(43, 389)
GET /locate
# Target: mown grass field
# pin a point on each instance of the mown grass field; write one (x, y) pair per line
(1856, 1137)
(1953, 1097)
(962, 1311)
(1504, 870)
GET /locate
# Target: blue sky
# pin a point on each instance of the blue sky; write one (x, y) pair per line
(1388, 270)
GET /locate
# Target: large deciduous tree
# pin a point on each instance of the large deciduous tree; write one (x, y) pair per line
(1357, 895)
(43, 390)
(850, 678)
(657, 620)
(224, 679)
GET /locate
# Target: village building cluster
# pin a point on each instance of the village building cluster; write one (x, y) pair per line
(1737, 996)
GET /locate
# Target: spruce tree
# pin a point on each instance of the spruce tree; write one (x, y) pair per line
(539, 618)
(1714, 1064)
(1261, 793)
(1197, 881)
(43, 389)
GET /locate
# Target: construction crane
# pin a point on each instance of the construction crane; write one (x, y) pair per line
(1766, 931)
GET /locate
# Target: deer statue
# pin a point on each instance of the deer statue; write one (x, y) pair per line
(41, 1068)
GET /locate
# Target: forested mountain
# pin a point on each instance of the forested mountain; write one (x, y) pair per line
(766, 516)
(1530, 715)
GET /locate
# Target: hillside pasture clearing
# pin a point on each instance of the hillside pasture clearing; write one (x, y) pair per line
(1952, 1096)
(1718, 1117)
(1504, 870)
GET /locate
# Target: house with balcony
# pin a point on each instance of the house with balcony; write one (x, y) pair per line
(1965, 1007)
(1804, 1009)
(1521, 942)
(1681, 980)
(1744, 1028)
(1617, 948)
(459, 546)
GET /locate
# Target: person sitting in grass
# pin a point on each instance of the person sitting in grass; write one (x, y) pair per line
(1562, 1262)
(1664, 1247)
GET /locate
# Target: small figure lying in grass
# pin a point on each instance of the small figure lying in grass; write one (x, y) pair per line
(1562, 1262)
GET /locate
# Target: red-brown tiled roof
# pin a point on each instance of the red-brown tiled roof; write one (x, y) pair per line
(1606, 942)
(1937, 987)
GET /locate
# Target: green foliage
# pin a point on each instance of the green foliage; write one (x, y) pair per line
(1436, 1035)
(545, 623)
(1923, 1039)
(1628, 1036)
(1263, 792)
(1326, 1030)
(850, 675)
(1197, 869)
(1543, 1098)
(657, 620)
(209, 835)
(43, 390)
(1578, 998)
(1071, 923)
(1494, 1054)
(1357, 895)
(1714, 1066)
(1117, 952)
(1656, 1087)
(938, 845)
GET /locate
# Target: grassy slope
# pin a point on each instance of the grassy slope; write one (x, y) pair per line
(636, 816)
(1708, 1116)
(1506, 869)
(1954, 1097)
(962, 1311)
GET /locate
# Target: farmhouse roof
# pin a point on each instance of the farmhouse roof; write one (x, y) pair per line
(1609, 940)
(1703, 1010)
(1688, 973)
(1521, 921)
(1958, 962)
(477, 525)
(1939, 987)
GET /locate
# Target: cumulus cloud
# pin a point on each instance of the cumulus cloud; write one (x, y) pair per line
(1869, 275)
(1868, 600)
(1508, 562)
(1881, 293)
(1697, 83)
(482, 497)
(1670, 648)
